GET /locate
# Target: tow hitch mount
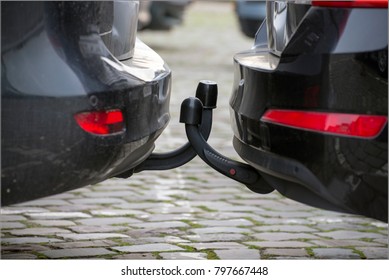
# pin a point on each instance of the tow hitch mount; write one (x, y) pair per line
(196, 114)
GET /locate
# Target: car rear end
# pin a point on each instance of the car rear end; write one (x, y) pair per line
(82, 99)
(310, 103)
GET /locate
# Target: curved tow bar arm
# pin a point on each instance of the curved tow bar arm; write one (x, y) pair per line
(191, 115)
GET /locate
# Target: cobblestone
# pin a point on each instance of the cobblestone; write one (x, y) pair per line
(383, 241)
(108, 221)
(144, 256)
(11, 218)
(238, 254)
(165, 239)
(347, 234)
(147, 248)
(145, 206)
(251, 209)
(345, 243)
(335, 253)
(220, 230)
(22, 210)
(53, 223)
(225, 223)
(161, 225)
(218, 237)
(285, 252)
(76, 253)
(21, 256)
(279, 244)
(170, 217)
(91, 236)
(11, 225)
(285, 228)
(175, 210)
(85, 244)
(111, 194)
(374, 253)
(278, 236)
(119, 213)
(191, 212)
(58, 215)
(45, 202)
(183, 256)
(103, 201)
(343, 226)
(29, 240)
(44, 231)
(98, 229)
(216, 245)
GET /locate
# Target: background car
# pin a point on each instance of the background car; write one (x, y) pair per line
(250, 15)
(81, 99)
(311, 116)
(161, 15)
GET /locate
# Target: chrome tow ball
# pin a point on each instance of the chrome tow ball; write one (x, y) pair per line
(192, 115)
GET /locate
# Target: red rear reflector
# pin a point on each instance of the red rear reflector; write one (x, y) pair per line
(365, 126)
(101, 122)
(353, 4)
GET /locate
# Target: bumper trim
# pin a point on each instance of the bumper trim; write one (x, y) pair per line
(298, 182)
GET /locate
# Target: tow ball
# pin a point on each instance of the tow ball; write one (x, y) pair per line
(196, 114)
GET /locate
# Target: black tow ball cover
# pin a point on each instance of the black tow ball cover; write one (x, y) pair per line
(191, 111)
(207, 92)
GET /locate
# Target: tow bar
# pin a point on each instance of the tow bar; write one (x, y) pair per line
(196, 114)
(206, 92)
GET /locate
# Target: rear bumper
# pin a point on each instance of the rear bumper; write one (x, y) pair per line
(296, 181)
(335, 172)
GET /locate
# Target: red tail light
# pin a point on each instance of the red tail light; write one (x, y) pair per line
(365, 126)
(101, 122)
(353, 4)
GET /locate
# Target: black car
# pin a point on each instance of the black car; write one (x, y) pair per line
(82, 100)
(309, 107)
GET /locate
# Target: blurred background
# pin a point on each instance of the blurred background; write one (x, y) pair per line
(165, 15)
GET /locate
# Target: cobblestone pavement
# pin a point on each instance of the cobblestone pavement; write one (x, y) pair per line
(191, 212)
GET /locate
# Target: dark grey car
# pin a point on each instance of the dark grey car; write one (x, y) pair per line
(81, 99)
